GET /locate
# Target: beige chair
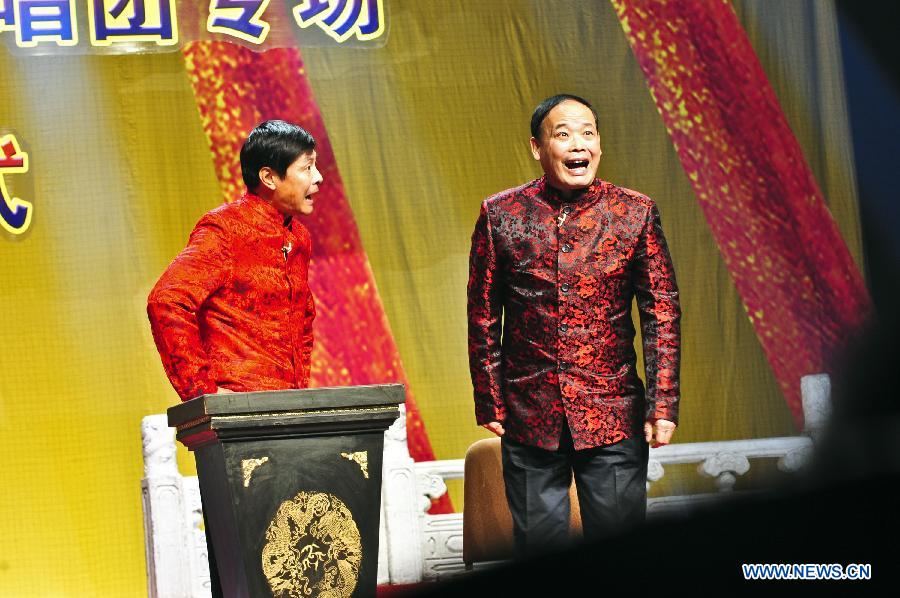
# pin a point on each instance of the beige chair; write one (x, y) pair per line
(487, 524)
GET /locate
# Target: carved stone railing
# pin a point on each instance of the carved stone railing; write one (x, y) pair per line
(175, 543)
(724, 462)
(415, 545)
(442, 534)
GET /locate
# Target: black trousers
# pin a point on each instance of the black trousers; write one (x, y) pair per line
(611, 482)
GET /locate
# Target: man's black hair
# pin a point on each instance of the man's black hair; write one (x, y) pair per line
(273, 143)
(544, 108)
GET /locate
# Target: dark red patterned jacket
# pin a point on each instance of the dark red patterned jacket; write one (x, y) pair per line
(234, 309)
(549, 301)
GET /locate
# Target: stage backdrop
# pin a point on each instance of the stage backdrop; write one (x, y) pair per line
(422, 129)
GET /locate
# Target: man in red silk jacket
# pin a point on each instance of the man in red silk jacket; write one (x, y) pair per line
(233, 312)
(554, 266)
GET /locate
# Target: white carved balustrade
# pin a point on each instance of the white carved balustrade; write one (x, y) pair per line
(724, 462)
(442, 534)
(175, 543)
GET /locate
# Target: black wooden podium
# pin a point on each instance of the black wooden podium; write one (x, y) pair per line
(291, 486)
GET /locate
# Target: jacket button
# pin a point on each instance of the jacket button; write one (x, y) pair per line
(566, 248)
(563, 366)
(564, 287)
(567, 209)
(563, 327)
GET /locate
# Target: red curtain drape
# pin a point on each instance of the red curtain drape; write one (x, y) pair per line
(800, 287)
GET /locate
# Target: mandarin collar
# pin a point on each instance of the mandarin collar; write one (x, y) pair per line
(267, 210)
(553, 194)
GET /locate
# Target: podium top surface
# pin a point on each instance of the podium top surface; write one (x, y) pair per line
(286, 401)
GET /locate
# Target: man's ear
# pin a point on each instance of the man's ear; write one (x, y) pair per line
(267, 177)
(535, 149)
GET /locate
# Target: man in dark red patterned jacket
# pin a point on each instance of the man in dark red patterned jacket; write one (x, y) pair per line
(554, 267)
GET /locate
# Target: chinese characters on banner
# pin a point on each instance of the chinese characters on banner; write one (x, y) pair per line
(15, 213)
(347, 17)
(242, 19)
(114, 21)
(130, 24)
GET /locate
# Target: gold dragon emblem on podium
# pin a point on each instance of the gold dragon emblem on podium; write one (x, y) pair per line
(312, 548)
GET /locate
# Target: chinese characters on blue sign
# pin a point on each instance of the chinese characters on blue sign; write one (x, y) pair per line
(240, 18)
(114, 21)
(342, 18)
(54, 23)
(15, 213)
(38, 21)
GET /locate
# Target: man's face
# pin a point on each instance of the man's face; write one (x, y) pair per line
(292, 195)
(569, 147)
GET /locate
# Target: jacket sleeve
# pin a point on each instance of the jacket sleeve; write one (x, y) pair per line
(306, 341)
(485, 310)
(660, 314)
(196, 273)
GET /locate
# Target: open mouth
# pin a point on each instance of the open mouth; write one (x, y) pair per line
(577, 166)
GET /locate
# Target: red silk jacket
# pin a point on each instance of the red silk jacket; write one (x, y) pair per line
(234, 309)
(549, 302)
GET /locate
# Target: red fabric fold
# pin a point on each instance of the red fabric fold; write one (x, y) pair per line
(802, 291)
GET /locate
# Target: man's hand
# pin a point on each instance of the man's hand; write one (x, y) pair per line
(495, 427)
(223, 391)
(658, 433)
